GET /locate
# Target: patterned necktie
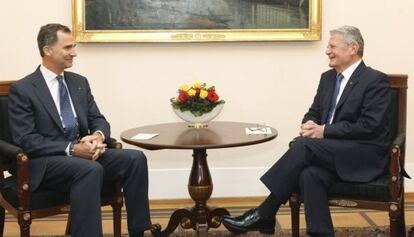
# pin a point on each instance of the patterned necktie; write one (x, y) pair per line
(69, 121)
(332, 108)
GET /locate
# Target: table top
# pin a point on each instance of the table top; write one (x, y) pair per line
(180, 136)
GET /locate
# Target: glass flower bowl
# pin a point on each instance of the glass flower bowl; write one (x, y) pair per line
(199, 121)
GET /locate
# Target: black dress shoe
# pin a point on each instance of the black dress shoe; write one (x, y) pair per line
(250, 221)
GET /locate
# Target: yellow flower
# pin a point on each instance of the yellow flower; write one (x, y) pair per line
(184, 87)
(198, 85)
(203, 94)
(192, 92)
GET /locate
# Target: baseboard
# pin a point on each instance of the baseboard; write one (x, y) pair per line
(252, 201)
(409, 197)
(159, 204)
(227, 182)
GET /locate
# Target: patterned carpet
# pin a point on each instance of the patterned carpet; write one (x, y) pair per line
(339, 232)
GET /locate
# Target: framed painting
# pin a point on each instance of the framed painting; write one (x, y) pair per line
(196, 20)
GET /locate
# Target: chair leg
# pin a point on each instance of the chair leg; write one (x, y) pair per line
(2, 218)
(117, 209)
(68, 225)
(394, 228)
(25, 221)
(24, 232)
(294, 204)
(402, 217)
(397, 222)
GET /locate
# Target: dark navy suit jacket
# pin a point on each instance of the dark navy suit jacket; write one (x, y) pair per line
(35, 124)
(360, 130)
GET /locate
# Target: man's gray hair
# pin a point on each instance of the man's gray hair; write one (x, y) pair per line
(351, 34)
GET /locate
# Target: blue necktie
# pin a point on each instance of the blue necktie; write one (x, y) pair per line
(332, 108)
(69, 121)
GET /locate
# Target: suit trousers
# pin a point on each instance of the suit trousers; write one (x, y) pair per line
(83, 179)
(308, 167)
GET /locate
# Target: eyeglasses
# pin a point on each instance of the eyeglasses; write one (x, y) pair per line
(258, 128)
(261, 129)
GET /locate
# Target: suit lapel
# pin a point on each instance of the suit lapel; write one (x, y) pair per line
(351, 84)
(43, 93)
(328, 98)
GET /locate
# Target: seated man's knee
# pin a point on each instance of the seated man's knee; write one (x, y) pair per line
(95, 168)
(308, 174)
(137, 157)
(299, 142)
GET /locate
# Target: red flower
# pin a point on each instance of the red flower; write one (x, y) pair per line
(212, 96)
(183, 96)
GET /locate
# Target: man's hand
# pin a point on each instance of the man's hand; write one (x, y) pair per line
(83, 150)
(91, 147)
(311, 129)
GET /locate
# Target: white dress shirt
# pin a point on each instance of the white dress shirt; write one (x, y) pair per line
(53, 85)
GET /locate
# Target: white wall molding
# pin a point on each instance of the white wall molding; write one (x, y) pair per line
(227, 182)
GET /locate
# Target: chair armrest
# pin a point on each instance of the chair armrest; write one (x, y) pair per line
(396, 168)
(13, 157)
(397, 159)
(399, 140)
(9, 153)
(115, 144)
(397, 156)
(293, 141)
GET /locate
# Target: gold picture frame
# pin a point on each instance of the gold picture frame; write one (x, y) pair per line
(101, 31)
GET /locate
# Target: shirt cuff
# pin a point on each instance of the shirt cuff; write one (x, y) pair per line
(323, 130)
(67, 149)
(102, 134)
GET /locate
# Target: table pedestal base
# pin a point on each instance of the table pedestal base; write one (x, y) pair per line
(190, 218)
(201, 217)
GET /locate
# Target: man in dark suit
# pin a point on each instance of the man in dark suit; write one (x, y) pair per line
(343, 136)
(54, 118)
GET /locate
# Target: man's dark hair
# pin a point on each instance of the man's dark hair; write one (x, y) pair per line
(48, 35)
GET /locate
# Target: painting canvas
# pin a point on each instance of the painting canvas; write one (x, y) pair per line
(196, 20)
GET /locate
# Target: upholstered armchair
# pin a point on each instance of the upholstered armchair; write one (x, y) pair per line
(14, 192)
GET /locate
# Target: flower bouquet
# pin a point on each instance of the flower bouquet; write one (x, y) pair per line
(198, 103)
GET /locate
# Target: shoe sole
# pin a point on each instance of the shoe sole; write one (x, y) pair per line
(233, 230)
(236, 230)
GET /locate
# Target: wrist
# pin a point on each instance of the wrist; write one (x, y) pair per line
(72, 149)
(100, 135)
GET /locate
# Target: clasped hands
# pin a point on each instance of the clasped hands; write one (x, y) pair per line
(90, 147)
(311, 129)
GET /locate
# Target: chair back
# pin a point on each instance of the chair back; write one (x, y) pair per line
(398, 83)
(4, 122)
